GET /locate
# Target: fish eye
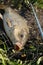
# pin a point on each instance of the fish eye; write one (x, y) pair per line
(21, 35)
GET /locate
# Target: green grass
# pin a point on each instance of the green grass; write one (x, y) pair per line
(4, 60)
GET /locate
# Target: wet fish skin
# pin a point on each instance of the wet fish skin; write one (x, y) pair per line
(15, 27)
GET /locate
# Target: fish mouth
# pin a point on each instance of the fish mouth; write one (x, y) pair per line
(18, 46)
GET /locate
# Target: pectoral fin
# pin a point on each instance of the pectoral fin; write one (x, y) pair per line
(8, 22)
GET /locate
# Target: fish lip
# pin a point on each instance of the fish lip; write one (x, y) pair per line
(18, 46)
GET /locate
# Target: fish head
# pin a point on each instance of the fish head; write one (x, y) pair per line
(21, 36)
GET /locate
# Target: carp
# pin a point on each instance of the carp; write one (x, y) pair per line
(16, 28)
